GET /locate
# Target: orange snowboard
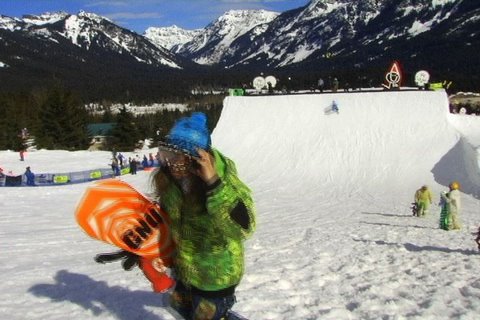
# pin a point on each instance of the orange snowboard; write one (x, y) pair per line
(114, 212)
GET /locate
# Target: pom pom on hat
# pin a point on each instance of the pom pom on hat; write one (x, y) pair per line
(188, 134)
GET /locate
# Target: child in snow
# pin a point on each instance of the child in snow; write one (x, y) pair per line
(423, 199)
(451, 207)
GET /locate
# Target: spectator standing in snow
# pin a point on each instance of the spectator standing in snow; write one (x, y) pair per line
(335, 85)
(320, 84)
(452, 206)
(150, 159)
(120, 159)
(115, 167)
(133, 165)
(30, 177)
(423, 199)
(145, 162)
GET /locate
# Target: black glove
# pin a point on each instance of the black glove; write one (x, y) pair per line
(129, 260)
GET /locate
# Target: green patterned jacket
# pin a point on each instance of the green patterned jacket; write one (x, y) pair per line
(209, 234)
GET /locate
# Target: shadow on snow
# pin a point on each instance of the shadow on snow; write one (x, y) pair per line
(98, 297)
(415, 248)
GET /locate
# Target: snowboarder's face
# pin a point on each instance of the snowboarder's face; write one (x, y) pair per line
(178, 163)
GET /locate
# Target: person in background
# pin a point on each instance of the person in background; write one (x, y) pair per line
(423, 200)
(30, 177)
(145, 162)
(115, 167)
(120, 159)
(451, 208)
(150, 159)
(133, 165)
(335, 85)
(320, 84)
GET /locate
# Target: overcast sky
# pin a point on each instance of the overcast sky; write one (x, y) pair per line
(138, 15)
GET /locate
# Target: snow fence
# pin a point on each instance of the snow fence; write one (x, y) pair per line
(62, 178)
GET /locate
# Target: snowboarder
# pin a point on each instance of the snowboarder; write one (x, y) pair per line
(451, 208)
(335, 106)
(212, 213)
(423, 199)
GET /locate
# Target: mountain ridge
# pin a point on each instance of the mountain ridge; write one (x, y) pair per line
(354, 40)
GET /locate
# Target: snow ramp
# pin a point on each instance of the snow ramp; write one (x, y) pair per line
(378, 142)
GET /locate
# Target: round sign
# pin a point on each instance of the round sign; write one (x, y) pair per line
(259, 83)
(422, 77)
(272, 80)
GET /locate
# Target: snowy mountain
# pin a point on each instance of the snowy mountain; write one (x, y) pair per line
(345, 39)
(210, 45)
(169, 37)
(90, 32)
(326, 28)
(86, 53)
(341, 36)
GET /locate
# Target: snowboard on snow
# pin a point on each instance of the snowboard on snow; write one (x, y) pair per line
(414, 208)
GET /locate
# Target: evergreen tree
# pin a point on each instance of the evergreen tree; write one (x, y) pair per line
(63, 122)
(16, 112)
(107, 115)
(125, 134)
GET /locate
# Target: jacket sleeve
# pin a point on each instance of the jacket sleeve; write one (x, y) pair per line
(444, 196)
(230, 203)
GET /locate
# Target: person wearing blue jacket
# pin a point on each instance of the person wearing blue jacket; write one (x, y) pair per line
(30, 177)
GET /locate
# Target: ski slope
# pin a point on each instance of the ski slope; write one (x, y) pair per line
(335, 237)
(378, 140)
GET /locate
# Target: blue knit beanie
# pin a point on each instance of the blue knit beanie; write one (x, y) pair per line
(188, 134)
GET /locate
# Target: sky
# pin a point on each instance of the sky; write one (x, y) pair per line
(335, 237)
(138, 15)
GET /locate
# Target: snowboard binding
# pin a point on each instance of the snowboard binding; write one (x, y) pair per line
(414, 209)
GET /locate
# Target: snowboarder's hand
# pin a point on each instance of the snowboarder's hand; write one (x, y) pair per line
(129, 260)
(205, 167)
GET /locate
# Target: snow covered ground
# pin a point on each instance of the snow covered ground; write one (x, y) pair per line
(335, 237)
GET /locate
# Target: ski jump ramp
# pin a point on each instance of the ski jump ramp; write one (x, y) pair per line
(379, 142)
